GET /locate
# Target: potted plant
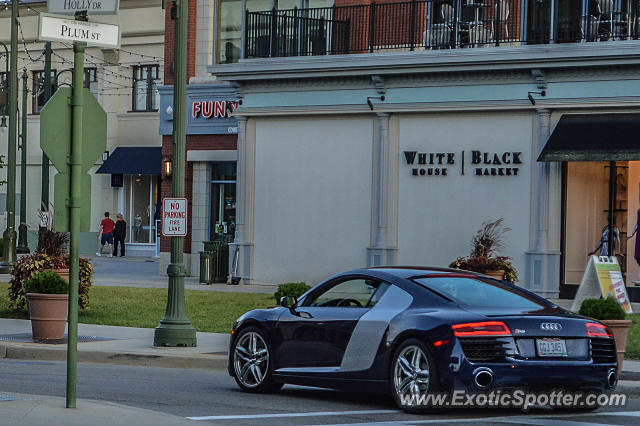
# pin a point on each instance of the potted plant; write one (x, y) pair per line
(609, 312)
(48, 302)
(54, 244)
(483, 257)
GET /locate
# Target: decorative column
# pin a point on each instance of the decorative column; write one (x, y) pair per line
(542, 274)
(380, 253)
(242, 245)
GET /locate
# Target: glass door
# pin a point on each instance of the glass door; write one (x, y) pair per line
(223, 201)
(140, 210)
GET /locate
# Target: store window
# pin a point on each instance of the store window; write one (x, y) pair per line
(141, 195)
(223, 201)
(588, 194)
(4, 93)
(146, 79)
(37, 90)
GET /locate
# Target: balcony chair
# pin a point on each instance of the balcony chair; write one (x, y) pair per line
(611, 22)
(443, 33)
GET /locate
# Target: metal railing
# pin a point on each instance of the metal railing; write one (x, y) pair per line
(433, 24)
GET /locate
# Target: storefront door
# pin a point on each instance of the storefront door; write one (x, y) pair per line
(223, 201)
(140, 192)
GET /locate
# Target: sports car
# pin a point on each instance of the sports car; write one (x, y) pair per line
(417, 330)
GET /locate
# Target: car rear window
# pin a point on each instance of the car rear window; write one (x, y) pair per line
(474, 292)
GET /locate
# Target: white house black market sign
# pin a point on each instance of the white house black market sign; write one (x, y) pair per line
(481, 163)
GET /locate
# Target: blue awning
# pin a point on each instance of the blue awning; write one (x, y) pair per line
(133, 160)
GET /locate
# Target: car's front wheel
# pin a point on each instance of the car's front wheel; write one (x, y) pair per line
(252, 363)
(413, 376)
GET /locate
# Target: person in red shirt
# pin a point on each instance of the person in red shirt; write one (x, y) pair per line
(106, 234)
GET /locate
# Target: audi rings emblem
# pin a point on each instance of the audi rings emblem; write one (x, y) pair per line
(551, 326)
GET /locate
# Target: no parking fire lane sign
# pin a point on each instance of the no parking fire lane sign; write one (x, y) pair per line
(174, 217)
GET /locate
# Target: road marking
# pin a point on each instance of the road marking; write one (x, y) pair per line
(311, 414)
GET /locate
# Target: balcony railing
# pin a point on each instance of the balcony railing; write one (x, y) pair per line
(435, 24)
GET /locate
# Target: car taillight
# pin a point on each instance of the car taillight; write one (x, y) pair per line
(486, 328)
(598, 330)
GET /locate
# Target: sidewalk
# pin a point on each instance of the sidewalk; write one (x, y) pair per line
(18, 409)
(114, 345)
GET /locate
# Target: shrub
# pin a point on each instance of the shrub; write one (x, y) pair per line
(52, 243)
(47, 282)
(290, 289)
(602, 309)
(28, 266)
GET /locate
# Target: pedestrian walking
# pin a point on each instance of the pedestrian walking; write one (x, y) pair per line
(106, 234)
(119, 234)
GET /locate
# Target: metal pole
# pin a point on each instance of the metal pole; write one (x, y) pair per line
(23, 245)
(9, 235)
(77, 105)
(612, 206)
(175, 329)
(44, 199)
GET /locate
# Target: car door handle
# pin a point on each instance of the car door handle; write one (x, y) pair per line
(304, 314)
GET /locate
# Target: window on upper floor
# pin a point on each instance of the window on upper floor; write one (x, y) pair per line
(146, 79)
(37, 90)
(91, 79)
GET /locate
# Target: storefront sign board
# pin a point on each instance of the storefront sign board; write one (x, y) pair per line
(174, 217)
(92, 7)
(602, 278)
(59, 28)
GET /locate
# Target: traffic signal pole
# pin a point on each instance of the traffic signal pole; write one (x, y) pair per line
(9, 235)
(175, 328)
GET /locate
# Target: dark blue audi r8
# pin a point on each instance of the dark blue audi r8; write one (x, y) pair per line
(413, 331)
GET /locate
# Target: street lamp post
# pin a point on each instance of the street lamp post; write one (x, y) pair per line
(9, 235)
(175, 329)
(23, 245)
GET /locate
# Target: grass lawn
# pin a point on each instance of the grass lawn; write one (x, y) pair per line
(209, 311)
(633, 341)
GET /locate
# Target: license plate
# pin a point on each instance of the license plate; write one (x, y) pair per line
(551, 347)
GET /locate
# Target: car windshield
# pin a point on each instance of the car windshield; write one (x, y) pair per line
(483, 294)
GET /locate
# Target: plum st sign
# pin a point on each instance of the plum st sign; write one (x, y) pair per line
(92, 7)
(174, 217)
(57, 28)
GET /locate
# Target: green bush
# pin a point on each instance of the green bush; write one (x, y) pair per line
(47, 282)
(290, 289)
(28, 266)
(602, 309)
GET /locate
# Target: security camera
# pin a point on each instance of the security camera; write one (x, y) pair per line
(370, 104)
(533, 101)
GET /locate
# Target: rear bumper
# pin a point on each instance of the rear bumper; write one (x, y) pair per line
(536, 375)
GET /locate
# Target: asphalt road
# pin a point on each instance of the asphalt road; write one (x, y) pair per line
(213, 397)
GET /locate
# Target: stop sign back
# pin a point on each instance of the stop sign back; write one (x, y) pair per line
(174, 217)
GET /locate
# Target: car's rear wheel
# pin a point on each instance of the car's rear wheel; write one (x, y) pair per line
(413, 376)
(252, 363)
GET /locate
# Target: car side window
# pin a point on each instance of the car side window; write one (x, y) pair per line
(352, 293)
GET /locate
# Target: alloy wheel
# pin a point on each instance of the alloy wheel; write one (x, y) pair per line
(411, 374)
(251, 359)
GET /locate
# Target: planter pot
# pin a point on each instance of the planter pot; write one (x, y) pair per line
(48, 314)
(63, 272)
(498, 275)
(620, 329)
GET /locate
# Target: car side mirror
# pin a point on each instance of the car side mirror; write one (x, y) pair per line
(288, 302)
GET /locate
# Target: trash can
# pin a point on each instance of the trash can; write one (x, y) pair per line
(220, 267)
(206, 267)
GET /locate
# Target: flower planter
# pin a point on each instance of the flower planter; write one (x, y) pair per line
(620, 329)
(48, 314)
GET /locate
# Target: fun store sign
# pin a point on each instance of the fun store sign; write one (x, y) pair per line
(478, 163)
(210, 110)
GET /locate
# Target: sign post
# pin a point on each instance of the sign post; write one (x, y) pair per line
(76, 153)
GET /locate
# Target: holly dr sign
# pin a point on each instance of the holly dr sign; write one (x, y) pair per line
(174, 217)
(92, 7)
(56, 28)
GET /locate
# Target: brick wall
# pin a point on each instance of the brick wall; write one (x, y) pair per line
(169, 42)
(194, 142)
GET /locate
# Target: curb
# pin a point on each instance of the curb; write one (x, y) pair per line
(216, 362)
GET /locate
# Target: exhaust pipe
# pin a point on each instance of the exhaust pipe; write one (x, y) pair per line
(483, 378)
(612, 378)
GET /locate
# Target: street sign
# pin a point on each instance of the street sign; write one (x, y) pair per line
(174, 217)
(55, 129)
(58, 28)
(55, 141)
(92, 7)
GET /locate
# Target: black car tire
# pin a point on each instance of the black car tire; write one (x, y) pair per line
(245, 361)
(426, 360)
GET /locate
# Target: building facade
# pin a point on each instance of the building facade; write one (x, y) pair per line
(387, 133)
(125, 81)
